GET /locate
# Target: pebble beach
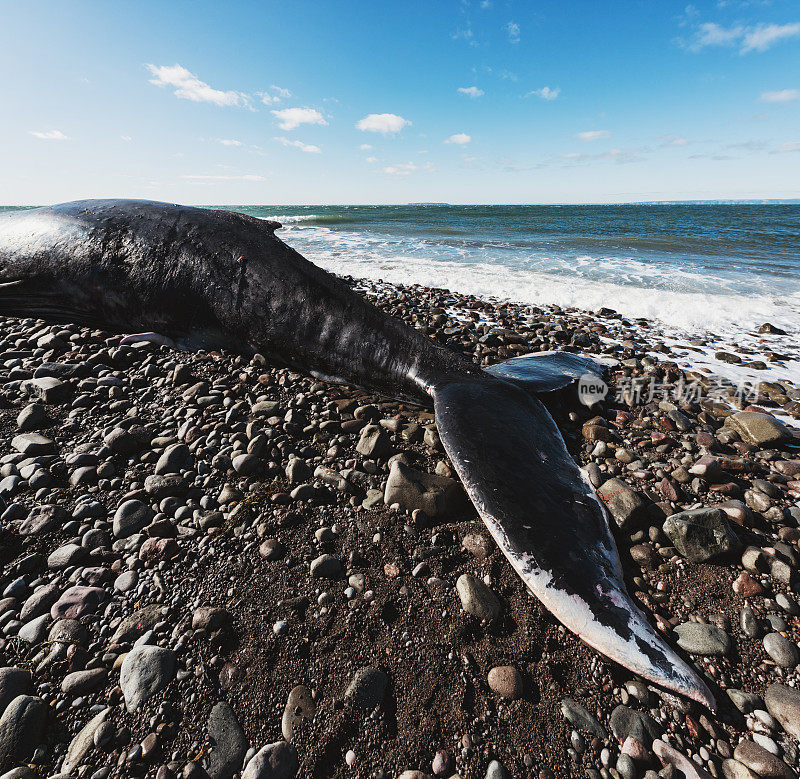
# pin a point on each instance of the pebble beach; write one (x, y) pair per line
(213, 567)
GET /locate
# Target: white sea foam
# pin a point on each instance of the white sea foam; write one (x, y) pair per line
(686, 301)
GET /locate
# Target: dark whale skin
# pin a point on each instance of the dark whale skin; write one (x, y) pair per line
(210, 279)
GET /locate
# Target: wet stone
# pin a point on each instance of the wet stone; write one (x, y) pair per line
(781, 650)
(701, 639)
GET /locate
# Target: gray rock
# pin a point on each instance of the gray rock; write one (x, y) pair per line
(43, 518)
(48, 389)
(229, 744)
(300, 706)
(13, 682)
(477, 599)
(411, 489)
(265, 408)
(65, 556)
(32, 417)
(733, 769)
(131, 517)
(701, 639)
(83, 682)
(298, 471)
(165, 486)
(367, 688)
(326, 566)
(135, 625)
(22, 729)
(274, 761)
(744, 701)
(374, 442)
(761, 762)
(33, 444)
(756, 428)
(625, 505)
(174, 459)
(749, 622)
(626, 722)
(145, 670)
(783, 703)
(496, 770)
(701, 534)
(246, 464)
(34, 631)
(579, 717)
(84, 741)
(781, 650)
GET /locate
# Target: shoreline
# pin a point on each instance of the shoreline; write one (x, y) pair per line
(277, 522)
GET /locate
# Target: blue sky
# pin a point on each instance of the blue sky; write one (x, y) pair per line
(496, 101)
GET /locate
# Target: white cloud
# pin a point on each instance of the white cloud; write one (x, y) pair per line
(781, 96)
(593, 135)
(406, 168)
(459, 139)
(306, 147)
(291, 118)
(672, 140)
(546, 93)
(365, 147)
(789, 146)
(49, 135)
(126, 137)
(712, 34)
(513, 31)
(756, 38)
(485, 4)
(472, 92)
(215, 177)
(764, 36)
(230, 142)
(371, 160)
(187, 86)
(274, 95)
(382, 123)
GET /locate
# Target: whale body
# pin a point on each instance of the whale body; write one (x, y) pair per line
(212, 279)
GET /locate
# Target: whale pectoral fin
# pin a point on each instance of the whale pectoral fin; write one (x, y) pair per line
(543, 372)
(153, 338)
(547, 520)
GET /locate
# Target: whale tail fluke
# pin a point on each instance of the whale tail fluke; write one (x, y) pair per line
(547, 520)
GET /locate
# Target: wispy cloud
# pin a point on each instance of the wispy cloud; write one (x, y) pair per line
(407, 168)
(306, 147)
(620, 156)
(230, 142)
(673, 140)
(781, 96)
(759, 37)
(49, 135)
(789, 146)
(546, 93)
(592, 135)
(274, 95)
(365, 147)
(187, 86)
(513, 31)
(217, 177)
(387, 124)
(464, 34)
(472, 92)
(291, 118)
(459, 139)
